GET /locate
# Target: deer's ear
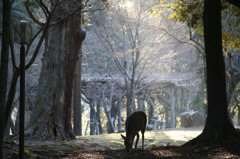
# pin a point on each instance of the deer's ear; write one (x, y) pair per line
(123, 137)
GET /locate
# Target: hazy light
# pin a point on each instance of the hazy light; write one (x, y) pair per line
(127, 4)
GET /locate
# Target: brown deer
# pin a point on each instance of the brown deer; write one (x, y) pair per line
(134, 123)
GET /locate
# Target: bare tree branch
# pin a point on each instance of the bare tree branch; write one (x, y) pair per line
(234, 2)
(31, 15)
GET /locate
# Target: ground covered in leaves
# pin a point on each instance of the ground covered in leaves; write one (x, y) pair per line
(213, 152)
(158, 144)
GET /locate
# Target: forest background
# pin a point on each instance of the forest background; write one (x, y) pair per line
(107, 59)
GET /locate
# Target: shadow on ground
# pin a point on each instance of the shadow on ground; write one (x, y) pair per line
(164, 152)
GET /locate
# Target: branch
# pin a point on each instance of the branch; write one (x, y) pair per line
(12, 1)
(198, 46)
(13, 55)
(111, 50)
(234, 2)
(161, 99)
(44, 33)
(31, 15)
(196, 42)
(44, 8)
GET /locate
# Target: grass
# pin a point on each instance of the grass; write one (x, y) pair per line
(114, 141)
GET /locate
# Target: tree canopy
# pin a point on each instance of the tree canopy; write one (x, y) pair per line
(190, 12)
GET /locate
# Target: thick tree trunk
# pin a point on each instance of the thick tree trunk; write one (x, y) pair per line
(130, 99)
(218, 125)
(141, 104)
(52, 114)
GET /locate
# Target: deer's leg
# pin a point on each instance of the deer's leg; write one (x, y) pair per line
(143, 140)
(136, 141)
(132, 140)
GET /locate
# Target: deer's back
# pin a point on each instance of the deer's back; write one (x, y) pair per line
(136, 122)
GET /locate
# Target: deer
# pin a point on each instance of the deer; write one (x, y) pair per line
(134, 123)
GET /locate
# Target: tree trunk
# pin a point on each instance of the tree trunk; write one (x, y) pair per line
(130, 99)
(167, 118)
(77, 116)
(7, 130)
(99, 118)
(218, 124)
(119, 108)
(52, 113)
(12, 126)
(110, 125)
(110, 119)
(172, 106)
(11, 95)
(141, 104)
(151, 113)
(238, 117)
(4, 66)
(92, 118)
(114, 112)
(166, 107)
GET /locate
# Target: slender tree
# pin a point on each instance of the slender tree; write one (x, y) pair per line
(77, 114)
(4, 67)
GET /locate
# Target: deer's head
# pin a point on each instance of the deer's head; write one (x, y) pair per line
(127, 142)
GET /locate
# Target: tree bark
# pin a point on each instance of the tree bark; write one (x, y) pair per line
(99, 118)
(238, 117)
(172, 105)
(218, 127)
(110, 123)
(92, 118)
(73, 40)
(52, 113)
(131, 98)
(77, 116)
(151, 113)
(141, 104)
(4, 67)
(113, 112)
(119, 108)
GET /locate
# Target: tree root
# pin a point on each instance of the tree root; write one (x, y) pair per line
(219, 137)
